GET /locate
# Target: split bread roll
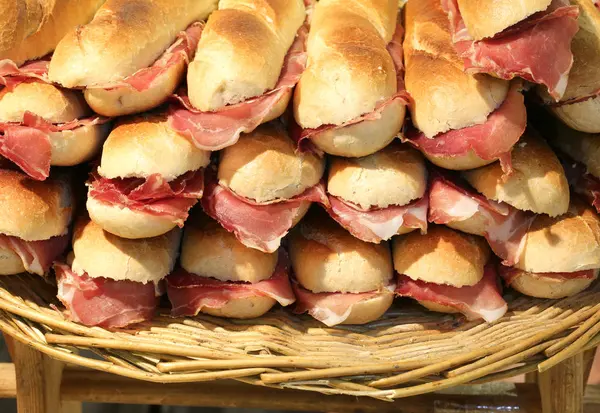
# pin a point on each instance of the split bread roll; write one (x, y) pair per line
(350, 71)
(241, 52)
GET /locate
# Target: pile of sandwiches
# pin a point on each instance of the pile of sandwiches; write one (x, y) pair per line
(332, 156)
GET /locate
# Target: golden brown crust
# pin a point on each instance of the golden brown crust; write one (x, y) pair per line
(541, 286)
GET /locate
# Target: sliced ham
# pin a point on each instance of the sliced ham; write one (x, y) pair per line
(102, 301)
(259, 226)
(378, 225)
(302, 136)
(153, 195)
(11, 75)
(537, 49)
(180, 52)
(506, 227)
(491, 140)
(509, 274)
(37, 256)
(482, 300)
(217, 130)
(190, 293)
(330, 308)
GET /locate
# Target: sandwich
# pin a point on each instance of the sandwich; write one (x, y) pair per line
(42, 125)
(502, 208)
(113, 282)
(560, 256)
(32, 28)
(247, 62)
(263, 187)
(339, 279)
(350, 100)
(380, 195)
(34, 224)
(579, 105)
(463, 120)
(530, 39)
(148, 178)
(448, 271)
(135, 53)
(222, 277)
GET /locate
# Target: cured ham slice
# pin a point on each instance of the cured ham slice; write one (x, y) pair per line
(37, 256)
(482, 300)
(259, 226)
(537, 49)
(506, 227)
(302, 136)
(509, 274)
(11, 75)
(330, 308)
(213, 131)
(491, 140)
(28, 145)
(378, 225)
(102, 301)
(153, 195)
(190, 293)
(180, 52)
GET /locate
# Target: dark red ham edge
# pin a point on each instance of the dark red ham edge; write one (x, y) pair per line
(537, 49)
(190, 293)
(509, 274)
(37, 256)
(153, 195)
(491, 140)
(104, 302)
(482, 300)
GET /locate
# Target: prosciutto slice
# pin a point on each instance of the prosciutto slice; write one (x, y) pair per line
(190, 293)
(378, 225)
(482, 300)
(302, 136)
(537, 49)
(102, 301)
(259, 226)
(37, 256)
(213, 131)
(509, 274)
(180, 52)
(28, 145)
(11, 75)
(330, 308)
(153, 195)
(506, 227)
(491, 140)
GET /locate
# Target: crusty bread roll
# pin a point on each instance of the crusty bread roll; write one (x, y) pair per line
(33, 210)
(442, 256)
(485, 18)
(475, 225)
(444, 96)
(396, 175)
(568, 243)
(241, 52)
(209, 250)
(370, 310)
(75, 146)
(145, 145)
(101, 254)
(582, 147)
(537, 184)
(326, 258)
(10, 262)
(123, 37)
(264, 166)
(243, 308)
(541, 286)
(20, 19)
(582, 116)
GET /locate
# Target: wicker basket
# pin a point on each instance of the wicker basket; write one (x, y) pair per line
(408, 352)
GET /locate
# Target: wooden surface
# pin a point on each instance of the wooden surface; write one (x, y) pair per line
(562, 386)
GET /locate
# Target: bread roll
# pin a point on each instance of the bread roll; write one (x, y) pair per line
(33, 210)
(123, 37)
(541, 286)
(582, 147)
(10, 262)
(264, 166)
(326, 258)
(241, 52)
(243, 308)
(537, 184)
(20, 19)
(145, 145)
(444, 96)
(442, 256)
(101, 254)
(74, 146)
(396, 175)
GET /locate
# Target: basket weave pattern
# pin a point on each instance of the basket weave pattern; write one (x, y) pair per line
(408, 352)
